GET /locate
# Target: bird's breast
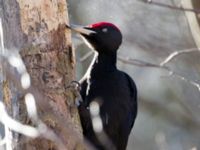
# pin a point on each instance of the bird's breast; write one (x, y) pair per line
(110, 90)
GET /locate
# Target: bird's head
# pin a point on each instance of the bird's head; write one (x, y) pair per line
(103, 37)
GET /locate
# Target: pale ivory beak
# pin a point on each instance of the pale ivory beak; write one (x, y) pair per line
(80, 29)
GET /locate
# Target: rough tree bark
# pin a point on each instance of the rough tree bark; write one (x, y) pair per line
(37, 30)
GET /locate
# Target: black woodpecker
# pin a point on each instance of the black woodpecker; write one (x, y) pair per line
(112, 89)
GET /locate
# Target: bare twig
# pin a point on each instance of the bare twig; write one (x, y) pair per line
(179, 118)
(142, 63)
(86, 75)
(193, 83)
(15, 125)
(176, 53)
(197, 11)
(162, 65)
(86, 56)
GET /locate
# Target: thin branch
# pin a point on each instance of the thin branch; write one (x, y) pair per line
(176, 53)
(142, 63)
(197, 11)
(86, 75)
(15, 125)
(167, 113)
(86, 56)
(193, 83)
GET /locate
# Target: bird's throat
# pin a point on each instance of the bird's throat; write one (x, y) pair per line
(103, 64)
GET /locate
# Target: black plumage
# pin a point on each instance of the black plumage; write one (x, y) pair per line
(114, 90)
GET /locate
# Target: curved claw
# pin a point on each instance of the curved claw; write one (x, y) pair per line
(75, 85)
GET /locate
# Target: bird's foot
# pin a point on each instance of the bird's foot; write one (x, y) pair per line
(75, 86)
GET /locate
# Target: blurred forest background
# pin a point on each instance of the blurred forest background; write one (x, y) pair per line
(169, 104)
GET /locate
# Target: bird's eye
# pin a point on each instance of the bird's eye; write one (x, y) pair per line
(105, 30)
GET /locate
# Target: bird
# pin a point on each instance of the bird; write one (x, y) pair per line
(113, 90)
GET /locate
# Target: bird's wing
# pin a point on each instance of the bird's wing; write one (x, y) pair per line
(133, 102)
(83, 108)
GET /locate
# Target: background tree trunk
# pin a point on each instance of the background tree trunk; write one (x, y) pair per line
(37, 30)
(193, 19)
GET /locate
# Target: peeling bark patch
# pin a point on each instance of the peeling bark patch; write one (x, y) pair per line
(71, 56)
(7, 95)
(55, 40)
(51, 12)
(44, 67)
(58, 40)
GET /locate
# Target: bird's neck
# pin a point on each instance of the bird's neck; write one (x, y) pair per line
(103, 64)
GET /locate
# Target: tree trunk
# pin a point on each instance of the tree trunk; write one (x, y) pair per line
(37, 30)
(193, 19)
